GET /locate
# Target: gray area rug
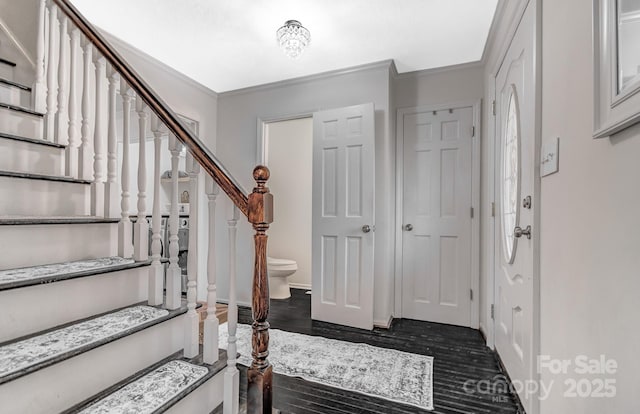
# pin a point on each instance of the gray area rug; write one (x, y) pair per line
(379, 372)
(150, 392)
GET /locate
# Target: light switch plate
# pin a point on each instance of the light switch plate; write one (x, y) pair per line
(549, 159)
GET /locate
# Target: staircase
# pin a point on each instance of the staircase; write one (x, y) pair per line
(92, 318)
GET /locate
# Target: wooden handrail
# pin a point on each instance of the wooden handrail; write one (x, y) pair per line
(257, 207)
(203, 155)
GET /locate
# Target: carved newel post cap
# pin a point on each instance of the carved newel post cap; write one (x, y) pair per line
(260, 200)
(261, 174)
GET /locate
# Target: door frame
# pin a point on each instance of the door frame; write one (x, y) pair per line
(475, 200)
(262, 146)
(494, 145)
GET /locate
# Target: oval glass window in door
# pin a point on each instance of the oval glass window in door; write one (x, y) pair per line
(510, 177)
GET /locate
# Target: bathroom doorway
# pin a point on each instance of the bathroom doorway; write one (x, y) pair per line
(288, 152)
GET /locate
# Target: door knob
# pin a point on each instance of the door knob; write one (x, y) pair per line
(408, 227)
(366, 228)
(519, 232)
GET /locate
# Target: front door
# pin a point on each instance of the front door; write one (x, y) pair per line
(343, 216)
(436, 242)
(515, 202)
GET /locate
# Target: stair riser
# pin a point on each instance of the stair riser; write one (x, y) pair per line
(53, 389)
(35, 245)
(204, 399)
(21, 124)
(14, 96)
(25, 309)
(27, 197)
(28, 157)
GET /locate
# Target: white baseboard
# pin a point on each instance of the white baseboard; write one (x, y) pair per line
(386, 324)
(300, 286)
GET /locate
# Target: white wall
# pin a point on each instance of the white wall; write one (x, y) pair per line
(238, 117)
(590, 239)
(290, 155)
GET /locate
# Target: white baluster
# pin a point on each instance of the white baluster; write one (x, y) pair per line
(84, 164)
(97, 187)
(156, 271)
(210, 342)
(71, 169)
(52, 88)
(61, 122)
(192, 320)
(39, 96)
(231, 375)
(174, 274)
(111, 186)
(141, 228)
(125, 235)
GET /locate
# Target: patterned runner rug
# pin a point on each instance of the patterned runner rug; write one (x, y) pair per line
(37, 349)
(379, 372)
(150, 392)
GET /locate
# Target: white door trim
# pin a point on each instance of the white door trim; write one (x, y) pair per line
(262, 146)
(475, 199)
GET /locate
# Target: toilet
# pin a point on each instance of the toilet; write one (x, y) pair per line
(279, 271)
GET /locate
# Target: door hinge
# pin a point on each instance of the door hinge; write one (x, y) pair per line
(493, 107)
(493, 311)
(473, 131)
(471, 294)
(472, 212)
(493, 209)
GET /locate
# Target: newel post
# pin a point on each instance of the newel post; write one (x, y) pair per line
(259, 375)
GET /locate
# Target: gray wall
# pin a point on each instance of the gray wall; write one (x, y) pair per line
(238, 114)
(240, 111)
(589, 223)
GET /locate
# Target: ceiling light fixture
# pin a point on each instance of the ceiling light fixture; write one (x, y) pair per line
(293, 37)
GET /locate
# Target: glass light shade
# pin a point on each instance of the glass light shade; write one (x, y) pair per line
(293, 38)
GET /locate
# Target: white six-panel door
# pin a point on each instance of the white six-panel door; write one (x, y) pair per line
(515, 182)
(437, 226)
(343, 207)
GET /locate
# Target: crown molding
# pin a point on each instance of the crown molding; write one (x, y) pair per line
(385, 64)
(441, 69)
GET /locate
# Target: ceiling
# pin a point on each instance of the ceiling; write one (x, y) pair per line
(230, 44)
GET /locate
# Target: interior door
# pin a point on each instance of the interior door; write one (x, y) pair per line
(436, 242)
(343, 216)
(515, 191)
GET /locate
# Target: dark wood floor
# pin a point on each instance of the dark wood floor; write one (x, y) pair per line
(459, 355)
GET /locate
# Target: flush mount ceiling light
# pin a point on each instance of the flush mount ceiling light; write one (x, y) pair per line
(293, 37)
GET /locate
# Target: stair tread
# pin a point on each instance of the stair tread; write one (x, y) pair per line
(23, 356)
(28, 276)
(15, 84)
(7, 62)
(32, 176)
(31, 140)
(35, 220)
(21, 109)
(153, 389)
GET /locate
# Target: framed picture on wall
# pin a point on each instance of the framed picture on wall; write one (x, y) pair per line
(616, 51)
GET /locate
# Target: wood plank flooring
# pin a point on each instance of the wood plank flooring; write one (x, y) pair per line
(459, 355)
